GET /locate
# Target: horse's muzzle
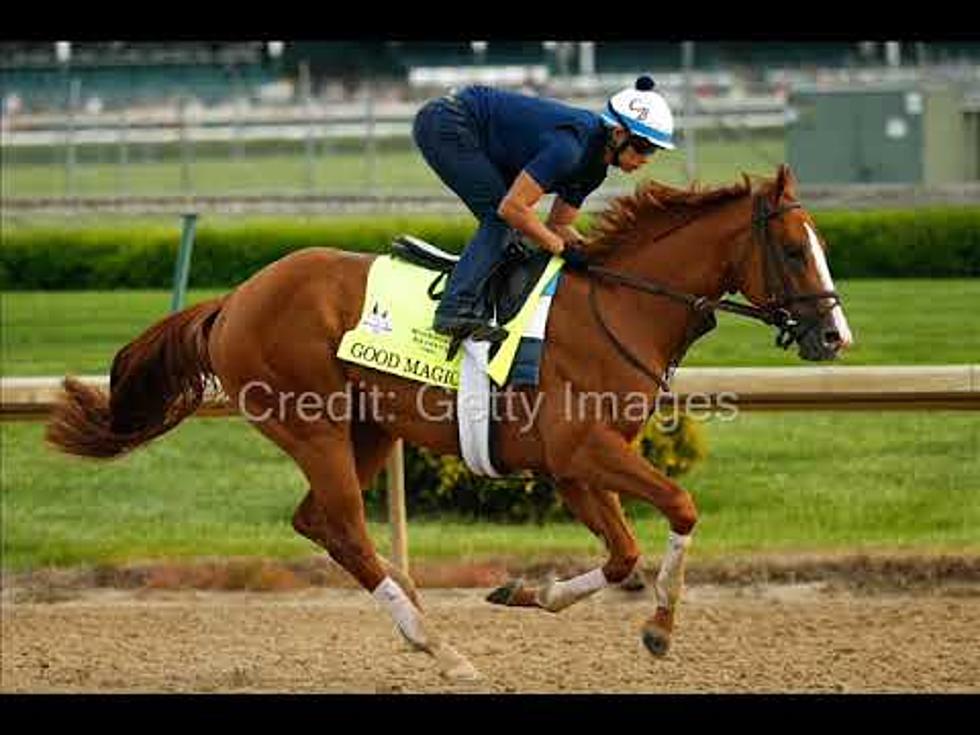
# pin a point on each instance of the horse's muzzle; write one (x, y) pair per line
(822, 341)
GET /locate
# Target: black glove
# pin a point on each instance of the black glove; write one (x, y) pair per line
(575, 258)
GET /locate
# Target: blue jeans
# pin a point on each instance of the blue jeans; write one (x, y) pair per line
(449, 140)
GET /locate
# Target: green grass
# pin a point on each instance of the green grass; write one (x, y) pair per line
(719, 161)
(53, 333)
(894, 322)
(821, 480)
(772, 483)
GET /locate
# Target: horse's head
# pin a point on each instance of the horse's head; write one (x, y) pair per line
(786, 273)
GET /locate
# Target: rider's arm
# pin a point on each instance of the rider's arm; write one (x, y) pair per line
(555, 160)
(561, 220)
(517, 210)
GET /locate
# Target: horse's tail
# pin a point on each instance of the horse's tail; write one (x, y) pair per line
(157, 381)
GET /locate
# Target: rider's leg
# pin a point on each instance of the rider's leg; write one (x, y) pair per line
(450, 144)
(465, 294)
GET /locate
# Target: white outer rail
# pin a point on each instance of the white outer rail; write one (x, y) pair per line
(818, 388)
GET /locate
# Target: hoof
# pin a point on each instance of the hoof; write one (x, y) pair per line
(514, 594)
(657, 630)
(657, 641)
(454, 666)
(463, 672)
(505, 594)
(634, 582)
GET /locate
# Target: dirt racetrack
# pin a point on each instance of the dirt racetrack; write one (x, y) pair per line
(813, 637)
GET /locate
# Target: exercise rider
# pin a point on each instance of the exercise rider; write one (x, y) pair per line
(501, 152)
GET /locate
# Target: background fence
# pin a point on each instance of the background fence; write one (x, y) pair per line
(952, 387)
(84, 120)
(955, 387)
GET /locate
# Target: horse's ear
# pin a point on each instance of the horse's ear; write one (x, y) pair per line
(785, 184)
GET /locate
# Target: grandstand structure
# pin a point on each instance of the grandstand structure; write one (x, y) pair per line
(38, 76)
(129, 119)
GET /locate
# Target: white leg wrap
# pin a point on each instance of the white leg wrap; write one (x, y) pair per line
(670, 581)
(411, 624)
(559, 595)
(406, 616)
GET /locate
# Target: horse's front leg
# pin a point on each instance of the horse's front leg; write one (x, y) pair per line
(606, 459)
(670, 583)
(602, 513)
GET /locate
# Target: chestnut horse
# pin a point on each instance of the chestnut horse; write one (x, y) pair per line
(661, 259)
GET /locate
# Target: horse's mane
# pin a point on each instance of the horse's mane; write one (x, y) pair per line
(654, 202)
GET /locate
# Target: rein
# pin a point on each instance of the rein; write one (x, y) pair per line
(776, 312)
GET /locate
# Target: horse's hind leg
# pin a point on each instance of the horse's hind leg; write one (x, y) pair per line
(332, 515)
(601, 512)
(372, 445)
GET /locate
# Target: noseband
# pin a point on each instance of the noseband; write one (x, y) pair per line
(780, 294)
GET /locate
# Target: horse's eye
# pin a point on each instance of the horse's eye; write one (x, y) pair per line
(797, 255)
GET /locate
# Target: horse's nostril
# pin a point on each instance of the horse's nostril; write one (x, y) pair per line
(831, 337)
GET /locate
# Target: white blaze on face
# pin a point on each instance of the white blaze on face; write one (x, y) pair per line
(827, 284)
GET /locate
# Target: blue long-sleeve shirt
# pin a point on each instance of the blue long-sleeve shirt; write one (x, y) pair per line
(560, 147)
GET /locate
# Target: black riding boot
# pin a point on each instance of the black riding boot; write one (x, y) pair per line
(463, 311)
(466, 323)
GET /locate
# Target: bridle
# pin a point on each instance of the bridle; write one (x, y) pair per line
(779, 288)
(777, 310)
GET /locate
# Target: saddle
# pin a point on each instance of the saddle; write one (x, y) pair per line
(507, 286)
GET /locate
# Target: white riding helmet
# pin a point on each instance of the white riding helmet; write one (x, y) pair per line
(642, 112)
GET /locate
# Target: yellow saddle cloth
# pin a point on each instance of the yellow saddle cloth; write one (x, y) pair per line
(395, 333)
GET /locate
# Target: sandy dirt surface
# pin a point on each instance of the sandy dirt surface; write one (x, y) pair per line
(813, 637)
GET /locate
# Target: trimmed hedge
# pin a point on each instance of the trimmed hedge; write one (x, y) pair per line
(63, 258)
(935, 242)
(172, 152)
(443, 486)
(938, 242)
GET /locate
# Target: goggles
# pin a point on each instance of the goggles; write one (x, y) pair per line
(643, 146)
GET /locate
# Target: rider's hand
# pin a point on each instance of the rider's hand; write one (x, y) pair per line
(575, 257)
